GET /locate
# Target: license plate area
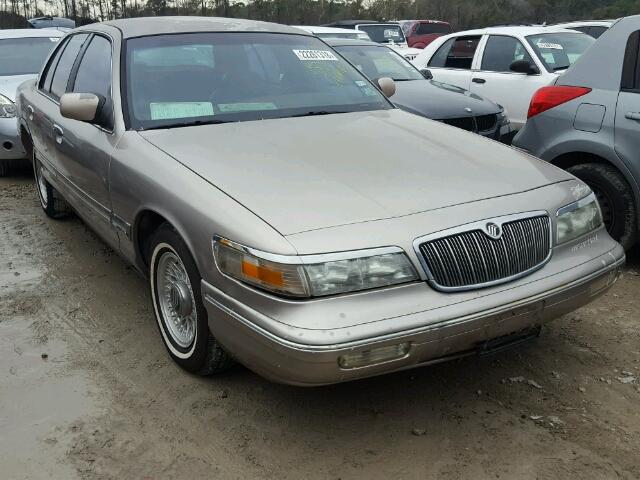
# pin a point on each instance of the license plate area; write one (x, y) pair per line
(507, 342)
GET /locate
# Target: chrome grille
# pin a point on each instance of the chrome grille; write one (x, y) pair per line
(471, 258)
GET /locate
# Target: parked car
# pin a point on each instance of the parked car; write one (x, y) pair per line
(423, 96)
(504, 64)
(22, 54)
(421, 33)
(588, 122)
(294, 219)
(55, 23)
(331, 32)
(390, 34)
(593, 28)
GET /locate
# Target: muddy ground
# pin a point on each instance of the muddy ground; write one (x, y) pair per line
(88, 391)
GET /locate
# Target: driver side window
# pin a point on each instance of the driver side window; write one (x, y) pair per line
(501, 51)
(94, 76)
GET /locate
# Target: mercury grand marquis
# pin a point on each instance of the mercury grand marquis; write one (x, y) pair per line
(288, 216)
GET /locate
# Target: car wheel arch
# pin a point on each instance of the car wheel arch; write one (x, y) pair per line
(146, 223)
(567, 160)
(27, 141)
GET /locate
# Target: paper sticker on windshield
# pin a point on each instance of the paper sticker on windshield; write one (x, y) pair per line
(167, 110)
(366, 88)
(391, 33)
(54, 39)
(245, 107)
(315, 55)
(550, 46)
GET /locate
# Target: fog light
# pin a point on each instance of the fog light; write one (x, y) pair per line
(373, 356)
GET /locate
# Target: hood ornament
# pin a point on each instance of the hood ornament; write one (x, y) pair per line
(493, 230)
(468, 110)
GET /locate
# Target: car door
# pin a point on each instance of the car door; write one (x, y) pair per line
(495, 81)
(45, 106)
(453, 61)
(627, 126)
(83, 149)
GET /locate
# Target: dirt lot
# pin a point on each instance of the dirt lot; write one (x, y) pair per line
(88, 391)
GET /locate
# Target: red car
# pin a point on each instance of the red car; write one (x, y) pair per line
(421, 33)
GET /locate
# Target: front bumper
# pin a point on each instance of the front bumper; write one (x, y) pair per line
(10, 144)
(443, 335)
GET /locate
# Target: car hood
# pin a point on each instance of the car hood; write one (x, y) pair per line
(9, 85)
(440, 101)
(301, 174)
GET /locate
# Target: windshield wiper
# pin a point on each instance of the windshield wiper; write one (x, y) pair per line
(315, 113)
(187, 124)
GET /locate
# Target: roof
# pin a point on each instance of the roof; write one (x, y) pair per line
(586, 23)
(424, 21)
(513, 30)
(348, 23)
(316, 29)
(30, 33)
(144, 26)
(346, 42)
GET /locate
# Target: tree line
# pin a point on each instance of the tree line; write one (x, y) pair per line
(462, 14)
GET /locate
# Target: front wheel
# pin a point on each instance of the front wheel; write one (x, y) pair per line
(182, 319)
(615, 198)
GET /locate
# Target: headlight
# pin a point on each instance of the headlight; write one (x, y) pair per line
(503, 118)
(314, 275)
(7, 108)
(578, 218)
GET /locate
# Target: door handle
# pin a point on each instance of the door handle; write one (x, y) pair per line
(30, 110)
(478, 80)
(632, 115)
(59, 133)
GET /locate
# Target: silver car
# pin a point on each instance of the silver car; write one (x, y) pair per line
(22, 54)
(289, 217)
(589, 124)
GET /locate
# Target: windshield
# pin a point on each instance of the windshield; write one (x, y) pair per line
(23, 56)
(378, 62)
(384, 33)
(182, 79)
(558, 51)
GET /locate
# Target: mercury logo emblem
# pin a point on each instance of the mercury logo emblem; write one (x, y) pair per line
(493, 230)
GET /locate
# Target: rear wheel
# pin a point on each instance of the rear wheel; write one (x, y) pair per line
(179, 311)
(51, 201)
(615, 198)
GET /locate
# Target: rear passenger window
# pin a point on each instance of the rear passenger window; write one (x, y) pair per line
(456, 53)
(65, 64)
(501, 51)
(631, 66)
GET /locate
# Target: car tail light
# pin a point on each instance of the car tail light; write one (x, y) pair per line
(547, 98)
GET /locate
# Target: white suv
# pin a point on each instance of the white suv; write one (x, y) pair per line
(504, 64)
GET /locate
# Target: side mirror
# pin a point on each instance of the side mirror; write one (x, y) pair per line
(80, 106)
(387, 85)
(426, 73)
(523, 66)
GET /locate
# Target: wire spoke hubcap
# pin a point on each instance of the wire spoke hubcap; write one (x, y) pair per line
(176, 299)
